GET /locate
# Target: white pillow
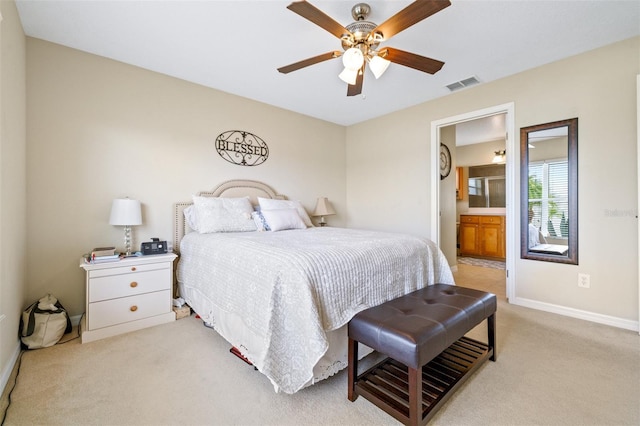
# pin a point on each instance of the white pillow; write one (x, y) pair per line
(190, 217)
(282, 219)
(271, 204)
(223, 214)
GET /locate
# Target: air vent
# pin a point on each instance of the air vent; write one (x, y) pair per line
(463, 83)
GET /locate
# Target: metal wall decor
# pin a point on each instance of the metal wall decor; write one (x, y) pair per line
(242, 148)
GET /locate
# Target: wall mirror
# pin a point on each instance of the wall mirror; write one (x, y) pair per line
(549, 192)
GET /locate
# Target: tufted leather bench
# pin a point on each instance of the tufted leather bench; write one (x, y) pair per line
(422, 334)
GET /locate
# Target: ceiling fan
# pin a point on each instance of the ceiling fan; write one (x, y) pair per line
(361, 39)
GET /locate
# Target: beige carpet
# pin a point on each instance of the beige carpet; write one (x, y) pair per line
(551, 370)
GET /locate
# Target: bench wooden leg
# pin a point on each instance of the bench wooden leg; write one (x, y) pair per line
(491, 326)
(415, 396)
(352, 369)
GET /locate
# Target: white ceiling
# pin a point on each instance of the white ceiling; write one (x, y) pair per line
(236, 46)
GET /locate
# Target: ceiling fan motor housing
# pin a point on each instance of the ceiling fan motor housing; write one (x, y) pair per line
(360, 34)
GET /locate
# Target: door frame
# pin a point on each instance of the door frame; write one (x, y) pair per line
(511, 176)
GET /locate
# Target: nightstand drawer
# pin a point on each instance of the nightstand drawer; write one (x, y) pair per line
(117, 286)
(109, 270)
(126, 309)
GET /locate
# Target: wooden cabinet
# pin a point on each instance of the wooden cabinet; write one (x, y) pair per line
(127, 295)
(482, 236)
(469, 240)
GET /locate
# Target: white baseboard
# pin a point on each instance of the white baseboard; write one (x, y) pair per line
(577, 313)
(6, 371)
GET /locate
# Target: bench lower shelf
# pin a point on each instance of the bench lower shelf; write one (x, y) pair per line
(386, 384)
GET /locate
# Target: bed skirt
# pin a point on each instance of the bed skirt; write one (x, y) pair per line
(231, 327)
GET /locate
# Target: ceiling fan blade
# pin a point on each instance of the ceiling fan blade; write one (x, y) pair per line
(420, 63)
(318, 17)
(356, 89)
(310, 61)
(410, 15)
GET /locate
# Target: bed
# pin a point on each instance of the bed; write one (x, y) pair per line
(283, 299)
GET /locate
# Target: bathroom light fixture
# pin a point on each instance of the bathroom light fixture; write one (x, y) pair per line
(500, 157)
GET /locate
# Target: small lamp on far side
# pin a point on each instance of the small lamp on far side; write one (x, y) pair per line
(126, 212)
(323, 208)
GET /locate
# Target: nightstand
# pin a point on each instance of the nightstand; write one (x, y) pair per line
(127, 295)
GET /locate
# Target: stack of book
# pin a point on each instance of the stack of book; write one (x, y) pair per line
(103, 254)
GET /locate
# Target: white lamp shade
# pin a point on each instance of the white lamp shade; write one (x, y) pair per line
(125, 212)
(353, 58)
(323, 207)
(378, 66)
(349, 76)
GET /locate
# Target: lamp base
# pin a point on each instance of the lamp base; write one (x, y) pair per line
(127, 240)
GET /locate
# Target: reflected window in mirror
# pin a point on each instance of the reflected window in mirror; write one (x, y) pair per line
(549, 188)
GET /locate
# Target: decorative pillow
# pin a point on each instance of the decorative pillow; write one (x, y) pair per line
(271, 204)
(261, 222)
(190, 217)
(281, 219)
(223, 214)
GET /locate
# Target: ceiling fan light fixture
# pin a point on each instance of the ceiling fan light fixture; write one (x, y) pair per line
(378, 66)
(349, 76)
(360, 40)
(353, 59)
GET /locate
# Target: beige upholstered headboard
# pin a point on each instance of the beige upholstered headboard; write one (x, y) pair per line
(229, 189)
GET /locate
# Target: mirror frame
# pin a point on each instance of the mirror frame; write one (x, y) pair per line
(572, 160)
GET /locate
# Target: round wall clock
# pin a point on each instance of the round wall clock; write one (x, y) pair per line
(445, 161)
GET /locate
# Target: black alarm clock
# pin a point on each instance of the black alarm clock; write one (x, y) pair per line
(154, 247)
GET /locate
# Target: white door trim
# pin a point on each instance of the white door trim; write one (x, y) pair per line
(511, 176)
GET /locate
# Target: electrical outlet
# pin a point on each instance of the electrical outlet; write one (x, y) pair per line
(584, 280)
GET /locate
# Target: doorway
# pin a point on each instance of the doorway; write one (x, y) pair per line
(443, 209)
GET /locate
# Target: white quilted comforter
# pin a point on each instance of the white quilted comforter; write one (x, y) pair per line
(289, 289)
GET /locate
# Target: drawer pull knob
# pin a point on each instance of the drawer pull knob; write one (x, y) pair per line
(133, 308)
(133, 284)
(133, 269)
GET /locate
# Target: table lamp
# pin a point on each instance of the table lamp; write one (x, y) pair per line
(323, 208)
(126, 212)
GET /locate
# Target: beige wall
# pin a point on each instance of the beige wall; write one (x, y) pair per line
(12, 184)
(448, 228)
(389, 176)
(100, 129)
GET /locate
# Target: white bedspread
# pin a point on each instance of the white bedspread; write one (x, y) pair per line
(290, 288)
